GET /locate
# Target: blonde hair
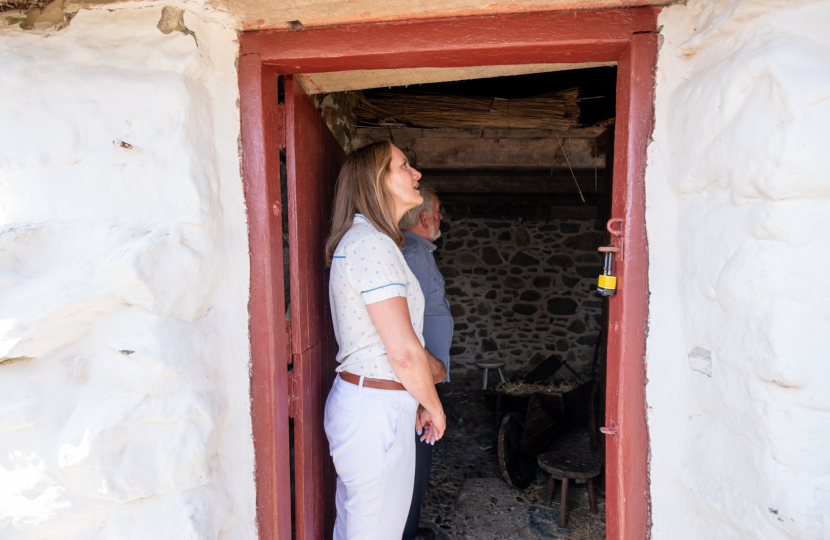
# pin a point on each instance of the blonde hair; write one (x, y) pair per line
(361, 188)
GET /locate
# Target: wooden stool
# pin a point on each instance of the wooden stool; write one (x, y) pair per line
(488, 365)
(564, 467)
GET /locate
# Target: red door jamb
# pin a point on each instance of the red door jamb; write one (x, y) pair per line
(626, 454)
(625, 36)
(261, 118)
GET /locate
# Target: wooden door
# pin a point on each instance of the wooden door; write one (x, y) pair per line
(313, 160)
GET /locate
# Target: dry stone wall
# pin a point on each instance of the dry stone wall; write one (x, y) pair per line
(521, 290)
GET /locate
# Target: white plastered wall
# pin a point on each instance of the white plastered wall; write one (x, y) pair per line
(738, 201)
(124, 357)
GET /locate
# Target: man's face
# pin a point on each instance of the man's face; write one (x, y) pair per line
(435, 220)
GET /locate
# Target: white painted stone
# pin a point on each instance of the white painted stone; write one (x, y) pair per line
(701, 360)
(123, 282)
(737, 206)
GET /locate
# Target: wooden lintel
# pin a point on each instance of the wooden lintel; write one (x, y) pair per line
(574, 212)
(467, 153)
(521, 38)
(390, 133)
(525, 199)
(513, 180)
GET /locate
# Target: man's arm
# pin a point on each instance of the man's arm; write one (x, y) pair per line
(437, 367)
(416, 259)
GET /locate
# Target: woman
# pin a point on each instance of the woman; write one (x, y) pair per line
(384, 373)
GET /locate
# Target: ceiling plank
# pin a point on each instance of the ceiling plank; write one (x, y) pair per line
(523, 181)
(485, 153)
(342, 81)
(523, 199)
(383, 133)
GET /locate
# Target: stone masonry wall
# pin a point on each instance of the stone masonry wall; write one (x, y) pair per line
(124, 281)
(738, 378)
(521, 290)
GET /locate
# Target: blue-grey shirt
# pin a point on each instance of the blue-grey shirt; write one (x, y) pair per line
(438, 326)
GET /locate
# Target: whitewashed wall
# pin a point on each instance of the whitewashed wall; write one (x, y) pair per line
(738, 199)
(124, 402)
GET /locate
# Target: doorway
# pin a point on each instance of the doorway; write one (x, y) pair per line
(519, 165)
(622, 36)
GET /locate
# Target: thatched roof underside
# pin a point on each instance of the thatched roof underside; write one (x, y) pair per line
(22, 5)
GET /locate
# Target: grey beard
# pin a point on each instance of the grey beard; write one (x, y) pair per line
(437, 235)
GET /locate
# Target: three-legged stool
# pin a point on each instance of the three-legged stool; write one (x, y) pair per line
(488, 365)
(564, 467)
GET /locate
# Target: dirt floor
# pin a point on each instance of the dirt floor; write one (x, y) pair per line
(469, 500)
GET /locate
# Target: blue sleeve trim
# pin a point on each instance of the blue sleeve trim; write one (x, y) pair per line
(338, 256)
(382, 287)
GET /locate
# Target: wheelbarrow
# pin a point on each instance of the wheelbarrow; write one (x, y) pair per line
(528, 423)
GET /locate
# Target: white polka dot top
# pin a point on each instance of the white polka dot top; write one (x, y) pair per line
(368, 267)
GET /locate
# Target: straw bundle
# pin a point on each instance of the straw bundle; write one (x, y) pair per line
(587, 526)
(558, 110)
(582, 524)
(521, 389)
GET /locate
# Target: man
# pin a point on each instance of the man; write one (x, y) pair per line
(421, 227)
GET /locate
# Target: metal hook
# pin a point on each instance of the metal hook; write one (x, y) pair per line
(610, 226)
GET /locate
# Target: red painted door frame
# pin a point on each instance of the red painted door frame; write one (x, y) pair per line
(263, 133)
(625, 36)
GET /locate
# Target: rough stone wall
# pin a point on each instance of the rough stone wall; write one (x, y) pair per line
(339, 111)
(123, 282)
(738, 198)
(521, 290)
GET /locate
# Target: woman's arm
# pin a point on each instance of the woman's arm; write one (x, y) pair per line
(409, 359)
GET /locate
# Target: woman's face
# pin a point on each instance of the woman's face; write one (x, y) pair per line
(402, 183)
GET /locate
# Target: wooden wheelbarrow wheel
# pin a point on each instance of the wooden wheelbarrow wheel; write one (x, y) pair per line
(517, 468)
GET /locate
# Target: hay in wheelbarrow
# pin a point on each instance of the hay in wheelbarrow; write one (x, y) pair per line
(521, 388)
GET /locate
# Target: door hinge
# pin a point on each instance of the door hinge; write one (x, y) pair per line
(292, 395)
(281, 126)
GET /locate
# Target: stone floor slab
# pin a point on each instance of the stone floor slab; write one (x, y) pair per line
(488, 509)
(544, 522)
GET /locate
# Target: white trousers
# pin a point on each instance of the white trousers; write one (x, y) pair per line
(371, 443)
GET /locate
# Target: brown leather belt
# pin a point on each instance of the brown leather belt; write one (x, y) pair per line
(379, 384)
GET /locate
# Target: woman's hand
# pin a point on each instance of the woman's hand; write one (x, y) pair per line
(433, 425)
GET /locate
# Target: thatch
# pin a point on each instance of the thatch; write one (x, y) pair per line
(582, 524)
(558, 110)
(585, 525)
(523, 389)
(23, 5)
